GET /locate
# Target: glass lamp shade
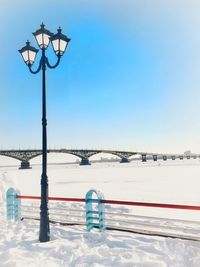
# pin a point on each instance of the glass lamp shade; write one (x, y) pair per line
(28, 53)
(59, 42)
(42, 36)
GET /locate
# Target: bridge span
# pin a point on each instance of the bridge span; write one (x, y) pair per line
(24, 156)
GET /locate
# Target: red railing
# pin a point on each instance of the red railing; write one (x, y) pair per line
(119, 202)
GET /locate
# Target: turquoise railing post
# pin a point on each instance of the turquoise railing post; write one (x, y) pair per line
(95, 212)
(17, 206)
(13, 205)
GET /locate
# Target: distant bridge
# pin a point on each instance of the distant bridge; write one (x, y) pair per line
(84, 154)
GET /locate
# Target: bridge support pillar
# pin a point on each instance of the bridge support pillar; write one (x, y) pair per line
(155, 157)
(25, 165)
(85, 161)
(124, 160)
(164, 157)
(144, 157)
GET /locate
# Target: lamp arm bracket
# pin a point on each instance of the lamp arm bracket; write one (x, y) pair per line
(38, 69)
(54, 66)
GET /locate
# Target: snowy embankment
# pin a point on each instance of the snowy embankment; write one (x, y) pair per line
(165, 182)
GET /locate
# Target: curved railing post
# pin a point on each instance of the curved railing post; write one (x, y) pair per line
(95, 217)
(13, 205)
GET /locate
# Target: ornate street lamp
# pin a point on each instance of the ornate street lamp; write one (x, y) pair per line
(59, 42)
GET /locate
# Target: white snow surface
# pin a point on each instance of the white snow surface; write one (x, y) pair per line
(175, 182)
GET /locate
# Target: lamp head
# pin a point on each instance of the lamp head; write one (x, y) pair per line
(59, 42)
(42, 36)
(28, 53)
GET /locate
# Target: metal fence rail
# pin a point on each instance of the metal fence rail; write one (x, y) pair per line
(94, 212)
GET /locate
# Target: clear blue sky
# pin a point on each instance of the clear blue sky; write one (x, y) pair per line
(130, 78)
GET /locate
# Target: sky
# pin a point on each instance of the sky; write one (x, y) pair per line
(129, 80)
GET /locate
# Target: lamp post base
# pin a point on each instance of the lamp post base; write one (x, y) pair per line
(44, 229)
(44, 235)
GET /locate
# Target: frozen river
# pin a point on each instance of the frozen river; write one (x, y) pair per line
(175, 182)
(160, 182)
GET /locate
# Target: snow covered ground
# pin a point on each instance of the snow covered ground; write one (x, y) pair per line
(175, 182)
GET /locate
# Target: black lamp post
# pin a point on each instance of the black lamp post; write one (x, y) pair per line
(59, 42)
